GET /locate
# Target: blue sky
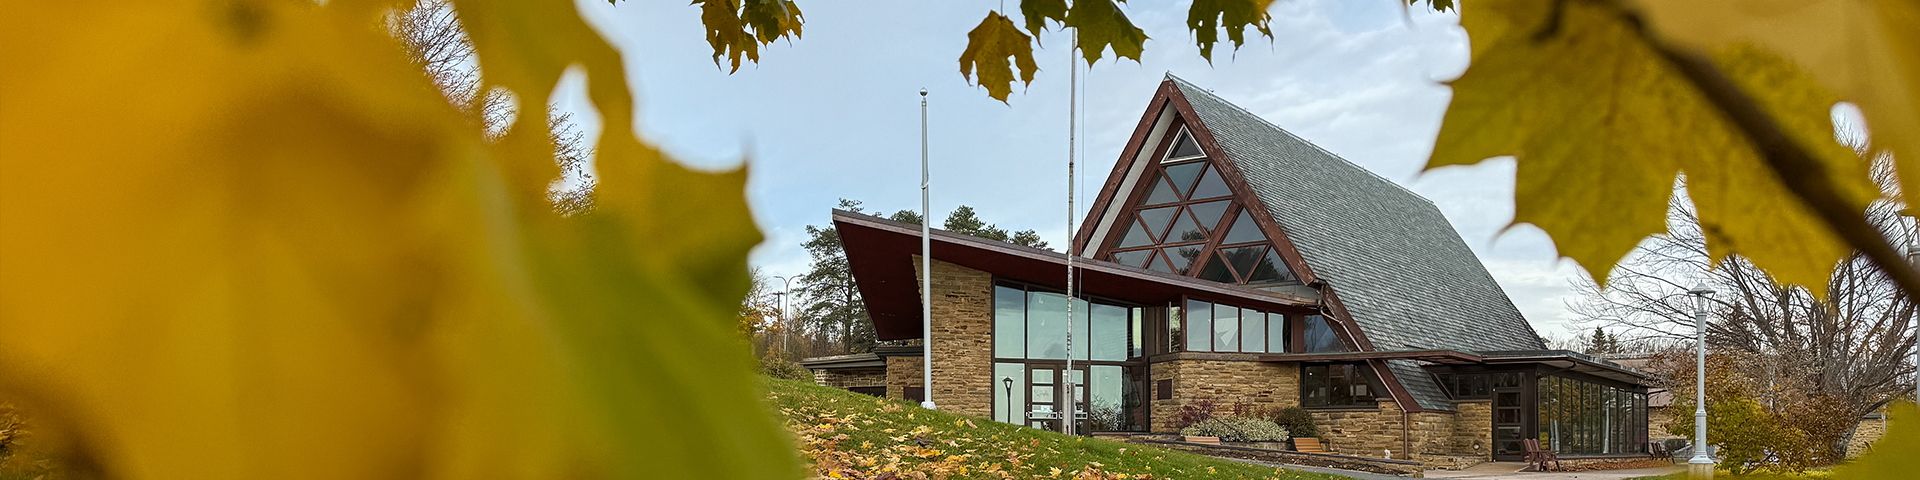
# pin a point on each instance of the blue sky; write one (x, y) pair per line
(835, 115)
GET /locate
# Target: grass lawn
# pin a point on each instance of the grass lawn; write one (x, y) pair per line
(849, 435)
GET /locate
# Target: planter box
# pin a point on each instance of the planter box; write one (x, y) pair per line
(1204, 440)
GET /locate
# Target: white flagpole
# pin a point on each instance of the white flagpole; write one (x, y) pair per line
(1073, 390)
(926, 270)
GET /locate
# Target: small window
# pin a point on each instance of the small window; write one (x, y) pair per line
(1216, 270)
(1136, 236)
(1226, 328)
(1134, 258)
(1185, 147)
(1277, 333)
(1157, 219)
(1336, 385)
(1182, 257)
(1209, 213)
(1162, 192)
(1185, 230)
(1253, 331)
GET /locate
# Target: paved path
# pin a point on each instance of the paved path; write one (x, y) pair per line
(1487, 471)
(1511, 471)
(1356, 475)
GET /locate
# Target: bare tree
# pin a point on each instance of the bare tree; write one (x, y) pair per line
(1850, 348)
(432, 36)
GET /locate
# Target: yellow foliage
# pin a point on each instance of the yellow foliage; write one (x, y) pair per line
(249, 240)
(1601, 124)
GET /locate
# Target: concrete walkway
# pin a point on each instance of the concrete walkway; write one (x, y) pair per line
(1512, 471)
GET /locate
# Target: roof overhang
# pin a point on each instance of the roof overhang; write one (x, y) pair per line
(1450, 357)
(845, 362)
(880, 255)
(1570, 361)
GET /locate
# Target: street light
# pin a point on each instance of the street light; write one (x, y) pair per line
(1701, 466)
(786, 289)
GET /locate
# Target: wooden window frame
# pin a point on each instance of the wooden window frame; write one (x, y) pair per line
(1209, 248)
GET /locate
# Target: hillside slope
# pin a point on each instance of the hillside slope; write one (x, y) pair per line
(848, 435)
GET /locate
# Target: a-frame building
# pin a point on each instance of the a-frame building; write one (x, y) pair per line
(1227, 261)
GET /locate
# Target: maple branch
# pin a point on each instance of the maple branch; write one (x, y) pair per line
(1796, 168)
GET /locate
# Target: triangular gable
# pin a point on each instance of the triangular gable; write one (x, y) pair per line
(1183, 217)
(1128, 201)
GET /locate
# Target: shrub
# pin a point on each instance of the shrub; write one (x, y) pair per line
(1238, 429)
(777, 367)
(1198, 411)
(1297, 421)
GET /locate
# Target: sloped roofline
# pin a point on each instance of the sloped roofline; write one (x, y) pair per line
(1170, 95)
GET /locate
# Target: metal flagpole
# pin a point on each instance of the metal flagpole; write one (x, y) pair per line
(1073, 91)
(926, 270)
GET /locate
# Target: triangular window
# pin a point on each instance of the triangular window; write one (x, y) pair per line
(1244, 230)
(1209, 213)
(1184, 230)
(1136, 258)
(1211, 186)
(1186, 221)
(1162, 193)
(1157, 219)
(1184, 174)
(1186, 147)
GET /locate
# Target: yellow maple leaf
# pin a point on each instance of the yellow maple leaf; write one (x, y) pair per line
(276, 252)
(1600, 126)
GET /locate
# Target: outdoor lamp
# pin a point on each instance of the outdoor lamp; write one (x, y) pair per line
(1007, 383)
(1701, 466)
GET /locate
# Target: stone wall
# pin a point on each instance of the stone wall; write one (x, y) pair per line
(1472, 429)
(902, 372)
(1373, 431)
(962, 343)
(840, 380)
(1224, 379)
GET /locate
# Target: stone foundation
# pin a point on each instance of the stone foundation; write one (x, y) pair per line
(1372, 432)
(1224, 379)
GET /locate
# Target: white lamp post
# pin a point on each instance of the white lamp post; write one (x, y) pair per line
(786, 291)
(1701, 466)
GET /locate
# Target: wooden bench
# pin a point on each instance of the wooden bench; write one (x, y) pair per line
(1309, 445)
(1538, 458)
(1658, 451)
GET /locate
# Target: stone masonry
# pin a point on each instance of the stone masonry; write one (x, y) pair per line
(902, 372)
(1224, 379)
(1473, 429)
(1373, 431)
(962, 342)
(836, 380)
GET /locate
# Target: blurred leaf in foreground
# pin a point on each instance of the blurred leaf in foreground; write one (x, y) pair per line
(250, 240)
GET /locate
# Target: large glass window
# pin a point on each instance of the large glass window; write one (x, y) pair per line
(1320, 336)
(1226, 328)
(1033, 325)
(1199, 326)
(1277, 333)
(1213, 327)
(1586, 418)
(1108, 335)
(1336, 385)
(1047, 325)
(1009, 322)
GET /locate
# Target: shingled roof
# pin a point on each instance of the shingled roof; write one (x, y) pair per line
(1397, 265)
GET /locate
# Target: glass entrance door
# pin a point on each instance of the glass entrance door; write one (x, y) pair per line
(1507, 440)
(1047, 392)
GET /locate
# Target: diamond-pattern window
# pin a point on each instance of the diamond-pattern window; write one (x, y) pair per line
(1189, 223)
